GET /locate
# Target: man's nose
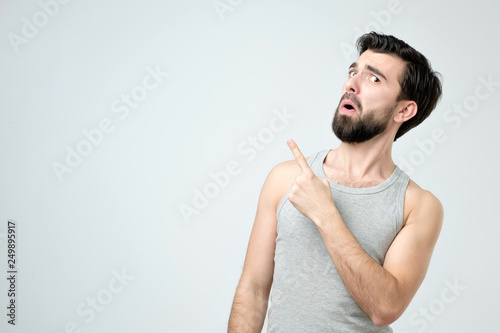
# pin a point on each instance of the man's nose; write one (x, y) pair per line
(352, 85)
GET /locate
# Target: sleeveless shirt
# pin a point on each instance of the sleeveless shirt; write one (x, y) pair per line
(307, 293)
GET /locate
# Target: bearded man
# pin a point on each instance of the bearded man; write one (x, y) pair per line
(342, 240)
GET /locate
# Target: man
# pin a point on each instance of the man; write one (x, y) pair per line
(344, 238)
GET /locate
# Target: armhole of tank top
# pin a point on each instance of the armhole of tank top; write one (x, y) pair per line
(402, 196)
(310, 162)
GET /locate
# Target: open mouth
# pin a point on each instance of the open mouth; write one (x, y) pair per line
(348, 107)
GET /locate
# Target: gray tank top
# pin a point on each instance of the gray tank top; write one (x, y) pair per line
(307, 294)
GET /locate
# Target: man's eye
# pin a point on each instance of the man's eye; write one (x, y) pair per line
(352, 73)
(373, 78)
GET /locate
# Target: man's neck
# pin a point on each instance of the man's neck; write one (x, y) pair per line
(361, 164)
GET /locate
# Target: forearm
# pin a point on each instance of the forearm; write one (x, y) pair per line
(374, 289)
(248, 312)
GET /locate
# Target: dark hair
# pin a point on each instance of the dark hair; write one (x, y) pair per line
(418, 82)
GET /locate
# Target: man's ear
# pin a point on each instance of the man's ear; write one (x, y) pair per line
(407, 110)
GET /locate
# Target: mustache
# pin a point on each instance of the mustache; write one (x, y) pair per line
(351, 97)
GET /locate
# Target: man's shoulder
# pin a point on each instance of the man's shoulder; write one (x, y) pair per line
(280, 179)
(415, 192)
(282, 176)
(284, 171)
(421, 202)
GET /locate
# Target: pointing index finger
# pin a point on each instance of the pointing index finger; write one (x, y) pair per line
(299, 157)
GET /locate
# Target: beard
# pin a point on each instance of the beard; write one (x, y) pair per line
(361, 127)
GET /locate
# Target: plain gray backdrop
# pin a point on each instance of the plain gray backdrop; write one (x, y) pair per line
(135, 137)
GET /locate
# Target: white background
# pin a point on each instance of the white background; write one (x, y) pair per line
(118, 210)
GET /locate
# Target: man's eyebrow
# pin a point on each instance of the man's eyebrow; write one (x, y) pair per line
(376, 71)
(370, 68)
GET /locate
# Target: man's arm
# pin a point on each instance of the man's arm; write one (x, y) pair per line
(383, 292)
(252, 294)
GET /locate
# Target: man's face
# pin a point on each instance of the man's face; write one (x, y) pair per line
(369, 97)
